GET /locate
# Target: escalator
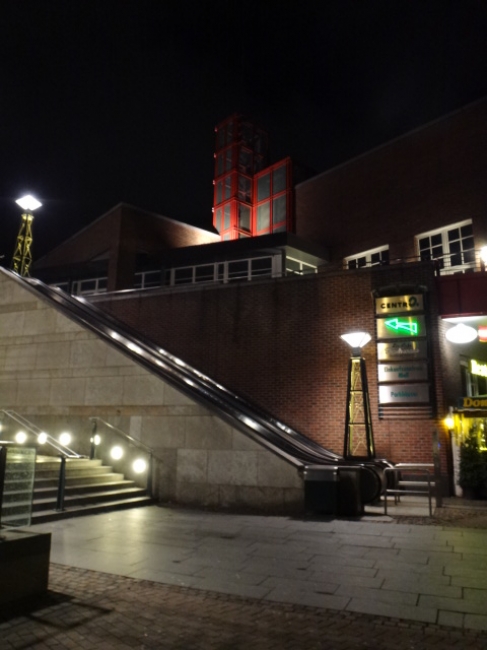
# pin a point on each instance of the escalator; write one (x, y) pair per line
(254, 422)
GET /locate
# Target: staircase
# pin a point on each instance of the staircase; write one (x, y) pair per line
(90, 488)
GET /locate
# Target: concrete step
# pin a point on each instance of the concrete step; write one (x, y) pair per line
(91, 509)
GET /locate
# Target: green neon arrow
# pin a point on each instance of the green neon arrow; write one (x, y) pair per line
(399, 325)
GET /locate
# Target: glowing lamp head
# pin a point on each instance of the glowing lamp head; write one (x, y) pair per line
(28, 203)
(461, 334)
(20, 437)
(449, 422)
(116, 452)
(65, 438)
(356, 340)
(139, 466)
(483, 254)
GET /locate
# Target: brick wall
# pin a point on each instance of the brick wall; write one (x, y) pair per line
(277, 343)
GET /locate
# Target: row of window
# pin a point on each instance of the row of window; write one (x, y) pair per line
(452, 247)
(230, 271)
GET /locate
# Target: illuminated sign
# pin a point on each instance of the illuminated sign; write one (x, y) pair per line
(403, 371)
(398, 304)
(483, 333)
(479, 402)
(401, 350)
(404, 393)
(478, 368)
(400, 327)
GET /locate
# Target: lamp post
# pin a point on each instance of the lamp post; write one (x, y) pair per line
(359, 440)
(22, 258)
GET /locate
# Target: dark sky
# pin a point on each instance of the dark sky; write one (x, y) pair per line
(116, 100)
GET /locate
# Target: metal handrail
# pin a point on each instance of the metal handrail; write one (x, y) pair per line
(60, 449)
(421, 468)
(120, 432)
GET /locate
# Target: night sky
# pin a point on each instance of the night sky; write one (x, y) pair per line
(106, 101)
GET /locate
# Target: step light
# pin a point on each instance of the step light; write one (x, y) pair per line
(139, 466)
(42, 438)
(116, 452)
(65, 438)
(20, 437)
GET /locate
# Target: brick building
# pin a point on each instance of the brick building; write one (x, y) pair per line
(260, 302)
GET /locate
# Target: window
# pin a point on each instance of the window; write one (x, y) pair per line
(452, 247)
(244, 217)
(263, 187)
(263, 216)
(373, 257)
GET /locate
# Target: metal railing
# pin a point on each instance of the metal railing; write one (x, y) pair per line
(404, 486)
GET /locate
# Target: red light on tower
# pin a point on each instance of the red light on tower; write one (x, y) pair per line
(483, 333)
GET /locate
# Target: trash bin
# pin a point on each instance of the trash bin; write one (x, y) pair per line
(321, 489)
(349, 502)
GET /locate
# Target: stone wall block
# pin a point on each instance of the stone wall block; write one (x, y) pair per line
(233, 467)
(207, 433)
(192, 466)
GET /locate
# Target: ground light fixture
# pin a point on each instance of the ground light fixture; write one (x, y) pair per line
(22, 257)
(139, 465)
(116, 452)
(461, 333)
(358, 440)
(20, 437)
(65, 438)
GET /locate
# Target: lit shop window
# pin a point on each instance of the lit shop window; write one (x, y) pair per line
(452, 247)
(373, 257)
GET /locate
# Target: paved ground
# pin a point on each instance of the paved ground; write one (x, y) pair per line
(162, 578)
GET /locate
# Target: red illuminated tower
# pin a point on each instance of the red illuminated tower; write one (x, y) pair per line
(249, 197)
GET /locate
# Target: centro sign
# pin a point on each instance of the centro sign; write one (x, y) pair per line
(399, 304)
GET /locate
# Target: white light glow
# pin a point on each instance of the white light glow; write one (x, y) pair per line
(483, 254)
(28, 202)
(461, 334)
(134, 348)
(116, 453)
(139, 466)
(20, 437)
(65, 438)
(42, 438)
(356, 339)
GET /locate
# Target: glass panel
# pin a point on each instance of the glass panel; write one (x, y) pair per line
(385, 256)
(281, 228)
(352, 264)
(437, 251)
(467, 244)
(228, 187)
(279, 209)
(151, 279)
(242, 235)
(226, 217)
(219, 189)
(424, 243)
(469, 257)
(261, 266)
(245, 161)
(361, 262)
(244, 188)
(375, 259)
(258, 164)
(436, 240)
(102, 283)
(204, 273)
(453, 234)
(238, 270)
(228, 159)
(263, 216)
(244, 217)
(19, 485)
(87, 285)
(218, 219)
(219, 164)
(467, 231)
(184, 275)
(279, 179)
(263, 187)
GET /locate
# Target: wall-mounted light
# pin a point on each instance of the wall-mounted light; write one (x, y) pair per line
(139, 465)
(42, 438)
(116, 452)
(20, 437)
(65, 438)
(461, 333)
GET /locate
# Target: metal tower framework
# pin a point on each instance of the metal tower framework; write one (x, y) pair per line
(359, 440)
(22, 258)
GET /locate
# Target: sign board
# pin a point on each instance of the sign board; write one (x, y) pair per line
(399, 327)
(403, 371)
(404, 393)
(477, 402)
(478, 368)
(399, 304)
(395, 350)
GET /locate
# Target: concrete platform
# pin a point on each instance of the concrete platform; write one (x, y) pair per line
(371, 565)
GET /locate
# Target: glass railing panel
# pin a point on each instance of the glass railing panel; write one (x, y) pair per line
(18, 486)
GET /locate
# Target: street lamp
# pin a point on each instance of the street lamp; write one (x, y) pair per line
(22, 258)
(359, 440)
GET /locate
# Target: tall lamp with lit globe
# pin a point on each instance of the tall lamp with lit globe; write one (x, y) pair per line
(22, 257)
(359, 440)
